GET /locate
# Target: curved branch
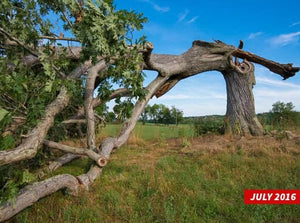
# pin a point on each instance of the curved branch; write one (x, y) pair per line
(7, 34)
(122, 92)
(100, 160)
(88, 102)
(32, 143)
(32, 193)
(284, 70)
(107, 145)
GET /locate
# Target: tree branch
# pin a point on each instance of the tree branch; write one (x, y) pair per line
(108, 144)
(32, 193)
(7, 34)
(88, 102)
(32, 143)
(100, 160)
(284, 70)
(59, 38)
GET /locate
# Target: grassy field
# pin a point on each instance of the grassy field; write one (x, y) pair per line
(152, 132)
(157, 177)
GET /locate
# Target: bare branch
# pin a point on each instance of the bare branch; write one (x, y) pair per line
(33, 52)
(88, 102)
(284, 70)
(54, 165)
(62, 161)
(74, 121)
(107, 145)
(87, 179)
(100, 160)
(59, 38)
(121, 92)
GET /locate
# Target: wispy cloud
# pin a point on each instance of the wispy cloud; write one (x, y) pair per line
(254, 35)
(277, 83)
(295, 24)
(285, 39)
(192, 20)
(158, 7)
(183, 15)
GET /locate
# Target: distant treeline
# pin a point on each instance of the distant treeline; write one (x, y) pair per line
(282, 116)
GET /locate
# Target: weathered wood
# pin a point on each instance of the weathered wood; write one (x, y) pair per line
(284, 70)
(32, 193)
(87, 179)
(100, 160)
(109, 144)
(88, 102)
(240, 116)
(62, 161)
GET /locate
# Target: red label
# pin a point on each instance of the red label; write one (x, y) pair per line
(272, 196)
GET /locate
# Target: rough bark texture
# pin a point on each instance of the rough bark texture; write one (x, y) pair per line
(88, 103)
(100, 160)
(240, 115)
(30, 194)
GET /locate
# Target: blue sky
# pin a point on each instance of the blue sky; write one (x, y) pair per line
(270, 29)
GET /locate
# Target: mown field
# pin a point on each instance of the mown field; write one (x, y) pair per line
(163, 174)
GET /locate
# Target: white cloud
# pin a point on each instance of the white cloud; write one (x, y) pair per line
(272, 82)
(161, 9)
(192, 20)
(183, 15)
(295, 24)
(265, 97)
(254, 35)
(285, 39)
(158, 7)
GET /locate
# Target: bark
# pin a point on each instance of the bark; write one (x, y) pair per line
(109, 144)
(68, 157)
(35, 138)
(87, 179)
(62, 161)
(100, 160)
(284, 70)
(88, 102)
(240, 116)
(32, 193)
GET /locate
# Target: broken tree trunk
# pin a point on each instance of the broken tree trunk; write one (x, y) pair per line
(240, 116)
(202, 56)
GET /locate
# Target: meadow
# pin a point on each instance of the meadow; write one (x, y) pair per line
(164, 174)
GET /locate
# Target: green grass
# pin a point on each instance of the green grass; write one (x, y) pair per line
(152, 131)
(162, 182)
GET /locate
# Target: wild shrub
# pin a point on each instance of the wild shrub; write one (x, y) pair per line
(208, 125)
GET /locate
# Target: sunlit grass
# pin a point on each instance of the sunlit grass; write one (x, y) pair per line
(165, 181)
(152, 131)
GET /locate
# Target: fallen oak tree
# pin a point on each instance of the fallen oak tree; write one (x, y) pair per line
(97, 70)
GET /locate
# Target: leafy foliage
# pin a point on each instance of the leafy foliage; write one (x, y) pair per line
(162, 114)
(283, 116)
(12, 180)
(210, 124)
(36, 61)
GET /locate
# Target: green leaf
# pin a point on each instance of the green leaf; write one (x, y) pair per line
(3, 113)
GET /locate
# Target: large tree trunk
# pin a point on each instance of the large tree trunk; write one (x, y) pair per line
(240, 115)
